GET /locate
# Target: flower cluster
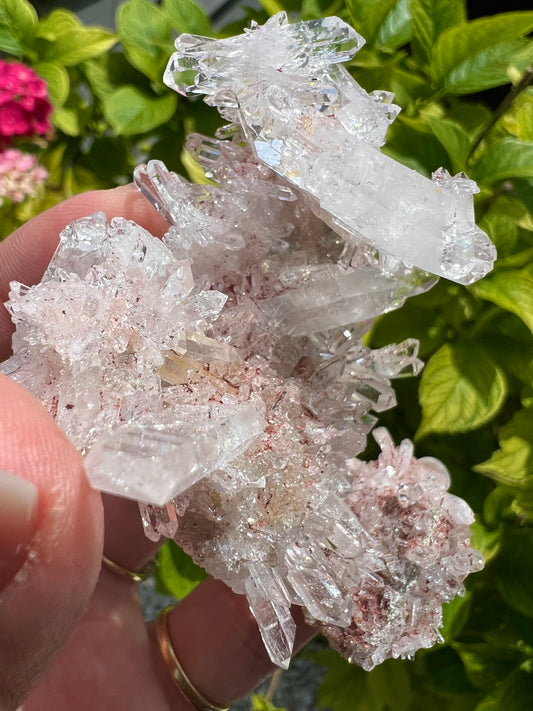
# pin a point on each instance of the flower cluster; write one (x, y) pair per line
(24, 113)
(24, 105)
(20, 174)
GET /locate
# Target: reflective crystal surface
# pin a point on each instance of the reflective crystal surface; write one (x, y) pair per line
(308, 119)
(219, 375)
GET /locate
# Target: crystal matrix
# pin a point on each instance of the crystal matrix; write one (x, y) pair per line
(219, 376)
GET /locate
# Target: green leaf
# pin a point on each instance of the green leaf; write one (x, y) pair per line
(501, 224)
(130, 111)
(57, 80)
(431, 18)
(187, 16)
(475, 55)
(461, 388)
(513, 462)
(512, 290)
(78, 44)
(487, 664)
(146, 33)
(408, 86)
(57, 23)
(341, 685)
(489, 703)
(497, 506)
(455, 140)
(484, 540)
(66, 119)
(385, 23)
(359, 9)
(271, 6)
(176, 573)
(395, 29)
(504, 159)
(112, 71)
(79, 179)
(259, 703)
(411, 141)
(385, 688)
(18, 22)
(515, 571)
(517, 692)
(389, 681)
(455, 614)
(518, 121)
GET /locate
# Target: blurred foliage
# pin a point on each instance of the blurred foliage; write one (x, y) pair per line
(472, 407)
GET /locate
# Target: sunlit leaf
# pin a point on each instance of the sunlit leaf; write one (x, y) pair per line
(130, 111)
(431, 18)
(187, 16)
(260, 703)
(18, 22)
(461, 388)
(176, 573)
(513, 462)
(504, 159)
(484, 540)
(77, 45)
(475, 55)
(454, 139)
(57, 80)
(146, 33)
(454, 615)
(384, 23)
(519, 120)
(57, 23)
(512, 289)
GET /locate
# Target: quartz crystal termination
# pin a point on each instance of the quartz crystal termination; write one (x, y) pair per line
(309, 120)
(100, 341)
(220, 378)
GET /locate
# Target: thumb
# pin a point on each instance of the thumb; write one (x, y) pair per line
(51, 530)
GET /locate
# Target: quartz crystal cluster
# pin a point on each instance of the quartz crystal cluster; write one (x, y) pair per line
(219, 376)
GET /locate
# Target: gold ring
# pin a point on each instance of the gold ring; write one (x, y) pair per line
(180, 678)
(137, 576)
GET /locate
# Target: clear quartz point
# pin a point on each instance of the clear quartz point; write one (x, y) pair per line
(269, 604)
(310, 121)
(154, 464)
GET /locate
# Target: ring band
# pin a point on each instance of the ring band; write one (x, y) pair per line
(180, 678)
(137, 576)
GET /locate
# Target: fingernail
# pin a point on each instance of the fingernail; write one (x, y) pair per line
(19, 500)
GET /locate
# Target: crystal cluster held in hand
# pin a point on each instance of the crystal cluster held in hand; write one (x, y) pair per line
(219, 376)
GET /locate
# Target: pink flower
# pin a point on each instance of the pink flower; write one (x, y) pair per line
(24, 105)
(14, 120)
(20, 175)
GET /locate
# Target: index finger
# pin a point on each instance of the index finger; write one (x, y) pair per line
(25, 254)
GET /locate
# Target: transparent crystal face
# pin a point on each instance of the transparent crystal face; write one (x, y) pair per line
(219, 376)
(308, 119)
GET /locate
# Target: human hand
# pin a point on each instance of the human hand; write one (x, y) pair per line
(72, 635)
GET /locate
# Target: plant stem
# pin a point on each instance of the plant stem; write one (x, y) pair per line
(272, 687)
(505, 105)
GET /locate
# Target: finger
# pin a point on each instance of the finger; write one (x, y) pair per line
(41, 604)
(105, 665)
(25, 254)
(219, 646)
